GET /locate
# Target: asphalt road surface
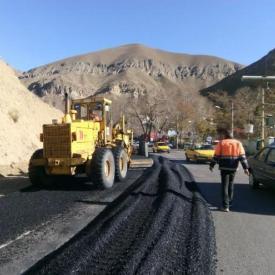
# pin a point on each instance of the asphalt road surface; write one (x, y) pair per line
(34, 222)
(245, 236)
(161, 225)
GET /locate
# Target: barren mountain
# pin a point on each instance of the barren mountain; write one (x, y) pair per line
(131, 69)
(21, 117)
(230, 84)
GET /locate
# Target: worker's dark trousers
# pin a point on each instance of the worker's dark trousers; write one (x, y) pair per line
(227, 187)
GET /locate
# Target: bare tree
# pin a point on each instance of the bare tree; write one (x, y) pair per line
(151, 113)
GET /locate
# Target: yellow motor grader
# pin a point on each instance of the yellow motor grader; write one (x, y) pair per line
(84, 142)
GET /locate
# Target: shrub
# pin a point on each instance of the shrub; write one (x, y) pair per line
(14, 115)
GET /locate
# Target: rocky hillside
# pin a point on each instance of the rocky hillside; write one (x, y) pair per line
(131, 69)
(230, 84)
(22, 115)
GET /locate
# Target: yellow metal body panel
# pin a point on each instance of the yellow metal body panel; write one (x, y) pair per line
(86, 138)
(68, 145)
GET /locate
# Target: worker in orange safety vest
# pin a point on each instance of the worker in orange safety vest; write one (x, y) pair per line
(228, 153)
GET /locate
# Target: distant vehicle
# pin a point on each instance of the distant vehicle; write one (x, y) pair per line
(171, 145)
(187, 145)
(262, 168)
(135, 146)
(150, 144)
(200, 153)
(161, 147)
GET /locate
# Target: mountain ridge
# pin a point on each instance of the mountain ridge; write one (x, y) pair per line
(232, 83)
(107, 72)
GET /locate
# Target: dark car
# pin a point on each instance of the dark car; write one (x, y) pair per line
(262, 167)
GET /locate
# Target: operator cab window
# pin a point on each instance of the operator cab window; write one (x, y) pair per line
(96, 111)
(108, 114)
(81, 110)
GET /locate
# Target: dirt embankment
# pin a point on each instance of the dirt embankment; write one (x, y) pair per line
(21, 117)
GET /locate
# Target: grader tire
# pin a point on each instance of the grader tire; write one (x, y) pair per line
(103, 168)
(121, 163)
(37, 174)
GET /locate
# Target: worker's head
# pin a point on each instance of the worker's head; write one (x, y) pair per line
(223, 133)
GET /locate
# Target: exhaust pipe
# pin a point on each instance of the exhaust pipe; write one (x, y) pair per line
(67, 104)
(67, 117)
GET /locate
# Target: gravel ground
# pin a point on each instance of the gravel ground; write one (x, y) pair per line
(161, 225)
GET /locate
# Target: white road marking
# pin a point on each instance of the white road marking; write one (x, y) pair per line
(18, 238)
(213, 208)
(16, 177)
(2, 195)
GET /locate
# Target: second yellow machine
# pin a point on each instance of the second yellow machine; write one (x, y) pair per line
(84, 142)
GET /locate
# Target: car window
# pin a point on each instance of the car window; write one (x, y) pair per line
(207, 147)
(161, 144)
(271, 157)
(262, 154)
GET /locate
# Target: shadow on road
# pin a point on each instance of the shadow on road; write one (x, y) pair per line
(76, 184)
(93, 202)
(181, 161)
(246, 200)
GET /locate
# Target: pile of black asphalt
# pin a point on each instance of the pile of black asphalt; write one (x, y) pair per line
(160, 225)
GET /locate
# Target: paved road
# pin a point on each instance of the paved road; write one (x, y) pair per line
(34, 222)
(159, 227)
(246, 235)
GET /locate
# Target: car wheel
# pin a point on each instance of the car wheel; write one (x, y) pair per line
(253, 183)
(187, 158)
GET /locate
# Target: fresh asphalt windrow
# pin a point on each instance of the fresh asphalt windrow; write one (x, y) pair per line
(160, 225)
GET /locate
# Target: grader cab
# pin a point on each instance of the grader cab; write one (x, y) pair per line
(84, 142)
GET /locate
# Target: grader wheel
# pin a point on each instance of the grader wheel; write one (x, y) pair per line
(103, 168)
(121, 163)
(37, 174)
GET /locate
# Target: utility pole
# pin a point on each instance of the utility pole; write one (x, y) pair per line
(262, 80)
(232, 118)
(177, 130)
(263, 118)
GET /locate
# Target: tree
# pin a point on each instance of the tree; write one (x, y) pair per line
(151, 113)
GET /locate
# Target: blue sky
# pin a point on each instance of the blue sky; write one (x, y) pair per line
(36, 32)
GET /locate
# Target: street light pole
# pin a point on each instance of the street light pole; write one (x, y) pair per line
(177, 129)
(261, 79)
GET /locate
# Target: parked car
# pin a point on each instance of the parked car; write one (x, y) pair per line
(161, 147)
(262, 167)
(200, 153)
(135, 146)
